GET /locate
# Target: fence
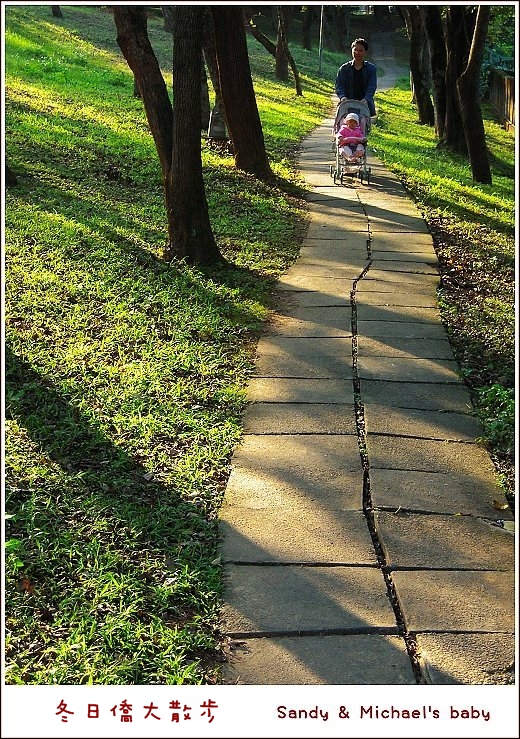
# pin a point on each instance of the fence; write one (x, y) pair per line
(502, 97)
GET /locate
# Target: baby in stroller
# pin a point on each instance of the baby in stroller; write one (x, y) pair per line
(350, 138)
(350, 133)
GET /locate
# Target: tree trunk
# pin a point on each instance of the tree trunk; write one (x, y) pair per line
(433, 25)
(256, 32)
(234, 73)
(189, 229)
(308, 17)
(468, 87)
(132, 39)
(11, 180)
(281, 69)
(419, 74)
(205, 107)
(218, 126)
(168, 18)
(56, 11)
(285, 45)
(459, 32)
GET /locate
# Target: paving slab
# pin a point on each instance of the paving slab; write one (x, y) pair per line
(305, 599)
(299, 418)
(311, 366)
(307, 298)
(468, 659)
(290, 535)
(410, 299)
(424, 266)
(333, 286)
(405, 348)
(420, 423)
(307, 270)
(386, 208)
(358, 659)
(340, 227)
(439, 396)
(398, 241)
(301, 327)
(422, 285)
(396, 222)
(332, 194)
(401, 313)
(332, 316)
(400, 329)
(320, 348)
(408, 370)
(379, 257)
(337, 214)
(405, 278)
(437, 492)
(334, 256)
(412, 540)
(465, 601)
(315, 489)
(290, 390)
(401, 453)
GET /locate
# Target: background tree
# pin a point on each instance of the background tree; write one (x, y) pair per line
(280, 51)
(56, 11)
(459, 25)
(236, 84)
(468, 85)
(419, 64)
(431, 15)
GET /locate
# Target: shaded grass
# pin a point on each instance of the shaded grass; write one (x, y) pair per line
(473, 229)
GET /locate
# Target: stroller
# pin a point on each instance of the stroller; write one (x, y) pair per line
(344, 168)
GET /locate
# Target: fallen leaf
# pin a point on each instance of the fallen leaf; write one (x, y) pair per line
(498, 506)
(26, 585)
(509, 526)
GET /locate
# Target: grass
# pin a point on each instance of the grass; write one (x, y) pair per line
(473, 230)
(126, 376)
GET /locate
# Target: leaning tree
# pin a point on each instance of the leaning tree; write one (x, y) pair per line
(176, 131)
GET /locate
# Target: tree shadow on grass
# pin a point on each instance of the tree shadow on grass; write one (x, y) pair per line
(100, 538)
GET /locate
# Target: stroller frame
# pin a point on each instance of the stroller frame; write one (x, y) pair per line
(341, 169)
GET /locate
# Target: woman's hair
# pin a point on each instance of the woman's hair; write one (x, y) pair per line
(360, 41)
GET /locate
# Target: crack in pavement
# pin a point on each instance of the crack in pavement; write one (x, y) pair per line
(368, 508)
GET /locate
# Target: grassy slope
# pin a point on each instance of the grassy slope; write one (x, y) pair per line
(125, 376)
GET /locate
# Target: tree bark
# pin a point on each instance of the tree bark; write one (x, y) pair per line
(132, 39)
(236, 84)
(459, 32)
(308, 17)
(257, 33)
(468, 87)
(189, 229)
(11, 180)
(419, 74)
(281, 62)
(282, 30)
(433, 25)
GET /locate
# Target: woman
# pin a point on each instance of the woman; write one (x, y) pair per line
(357, 80)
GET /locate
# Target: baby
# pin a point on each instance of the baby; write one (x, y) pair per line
(349, 138)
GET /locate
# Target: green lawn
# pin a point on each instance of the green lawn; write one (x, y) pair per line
(125, 375)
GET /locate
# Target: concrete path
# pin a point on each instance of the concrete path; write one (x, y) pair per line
(360, 534)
